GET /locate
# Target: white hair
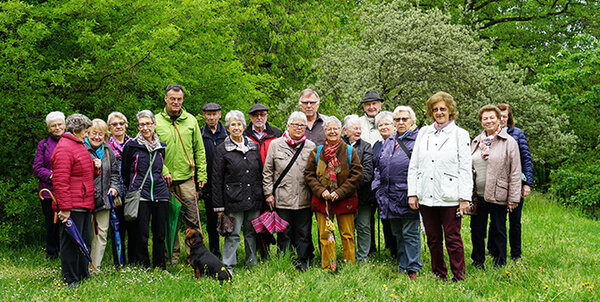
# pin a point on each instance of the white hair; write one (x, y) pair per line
(116, 114)
(297, 115)
(236, 115)
(350, 120)
(411, 112)
(146, 113)
(308, 92)
(332, 119)
(53, 116)
(384, 115)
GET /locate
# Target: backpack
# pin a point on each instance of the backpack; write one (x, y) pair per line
(320, 147)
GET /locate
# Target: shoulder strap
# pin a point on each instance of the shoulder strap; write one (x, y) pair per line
(287, 168)
(320, 147)
(401, 143)
(149, 168)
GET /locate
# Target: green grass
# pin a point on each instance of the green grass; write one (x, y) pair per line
(561, 262)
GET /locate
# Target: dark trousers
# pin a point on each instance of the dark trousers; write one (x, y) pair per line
(52, 229)
(388, 237)
(211, 225)
(514, 233)
(75, 265)
(497, 232)
(125, 230)
(298, 234)
(158, 211)
(442, 222)
(372, 221)
(478, 231)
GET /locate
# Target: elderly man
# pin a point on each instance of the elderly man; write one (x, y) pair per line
(259, 129)
(309, 104)
(213, 134)
(371, 105)
(184, 156)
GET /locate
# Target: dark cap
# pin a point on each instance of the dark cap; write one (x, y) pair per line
(211, 107)
(371, 96)
(257, 107)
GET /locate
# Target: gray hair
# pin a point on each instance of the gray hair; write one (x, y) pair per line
(297, 115)
(146, 113)
(308, 92)
(385, 115)
(351, 120)
(53, 116)
(332, 119)
(77, 122)
(235, 115)
(411, 112)
(116, 114)
(174, 87)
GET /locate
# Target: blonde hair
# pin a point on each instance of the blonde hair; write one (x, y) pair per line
(98, 124)
(446, 98)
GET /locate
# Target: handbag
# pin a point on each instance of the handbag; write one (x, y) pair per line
(132, 199)
(225, 225)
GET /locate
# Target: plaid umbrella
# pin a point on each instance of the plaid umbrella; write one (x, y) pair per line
(330, 229)
(264, 223)
(280, 223)
(71, 230)
(114, 222)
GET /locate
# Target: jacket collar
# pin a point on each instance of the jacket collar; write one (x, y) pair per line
(230, 145)
(269, 131)
(448, 129)
(166, 115)
(70, 136)
(503, 135)
(220, 133)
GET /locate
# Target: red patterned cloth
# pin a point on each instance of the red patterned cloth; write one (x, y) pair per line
(486, 143)
(333, 164)
(292, 142)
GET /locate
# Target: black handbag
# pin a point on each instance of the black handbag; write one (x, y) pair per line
(132, 199)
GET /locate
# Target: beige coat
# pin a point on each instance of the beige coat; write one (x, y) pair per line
(292, 193)
(503, 179)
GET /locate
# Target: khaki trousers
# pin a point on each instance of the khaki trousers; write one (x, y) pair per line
(345, 225)
(189, 210)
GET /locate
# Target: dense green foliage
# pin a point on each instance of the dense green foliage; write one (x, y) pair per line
(560, 261)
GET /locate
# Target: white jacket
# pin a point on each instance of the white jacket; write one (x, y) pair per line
(440, 168)
(370, 133)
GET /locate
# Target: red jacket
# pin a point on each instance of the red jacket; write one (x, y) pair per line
(72, 174)
(271, 133)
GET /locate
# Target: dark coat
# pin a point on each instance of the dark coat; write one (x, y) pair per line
(73, 174)
(211, 141)
(365, 154)
(136, 162)
(109, 177)
(348, 181)
(237, 178)
(271, 133)
(526, 164)
(390, 183)
(42, 168)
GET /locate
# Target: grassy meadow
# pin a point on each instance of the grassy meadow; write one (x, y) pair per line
(561, 262)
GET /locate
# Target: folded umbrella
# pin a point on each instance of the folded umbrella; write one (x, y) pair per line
(114, 222)
(265, 222)
(280, 223)
(71, 230)
(171, 226)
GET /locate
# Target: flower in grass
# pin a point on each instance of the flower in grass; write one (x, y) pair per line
(546, 286)
(507, 273)
(585, 284)
(420, 293)
(345, 293)
(279, 297)
(392, 296)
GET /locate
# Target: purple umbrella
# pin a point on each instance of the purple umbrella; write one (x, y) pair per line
(71, 230)
(114, 222)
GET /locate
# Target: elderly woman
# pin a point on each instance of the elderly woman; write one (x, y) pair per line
(237, 187)
(391, 189)
(385, 124)
(362, 220)
(507, 122)
(144, 155)
(73, 178)
(42, 169)
(333, 173)
(117, 125)
(108, 182)
(291, 196)
(497, 166)
(440, 183)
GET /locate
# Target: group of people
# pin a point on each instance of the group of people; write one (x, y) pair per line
(339, 170)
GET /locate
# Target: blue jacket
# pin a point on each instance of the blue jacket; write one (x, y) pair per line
(390, 182)
(136, 162)
(526, 164)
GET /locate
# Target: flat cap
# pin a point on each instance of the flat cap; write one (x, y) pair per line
(371, 96)
(211, 107)
(257, 107)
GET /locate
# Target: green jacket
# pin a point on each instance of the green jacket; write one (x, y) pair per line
(176, 160)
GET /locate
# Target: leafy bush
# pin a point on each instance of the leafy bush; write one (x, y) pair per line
(21, 212)
(577, 182)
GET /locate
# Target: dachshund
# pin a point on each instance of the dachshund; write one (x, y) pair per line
(201, 259)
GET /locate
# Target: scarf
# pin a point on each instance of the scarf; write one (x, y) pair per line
(292, 142)
(439, 127)
(371, 121)
(333, 164)
(116, 146)
(99, 151)
(486, 143)
(155, 144)
(403, 136)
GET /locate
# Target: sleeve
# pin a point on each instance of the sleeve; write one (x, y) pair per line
(367, 164)
(465, 171)
(217, 180)
(115, 180)
(526, 162)
(39, 171)
(351, 184)
(413, 167)
(62, 162)
(126, 165)
(514, 186)
(199, 153)
(268, 172)
(310, 175)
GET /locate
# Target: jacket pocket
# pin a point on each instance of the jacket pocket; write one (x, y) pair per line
(501, 193)
(449, 187)
(233, 192)
(419, 184)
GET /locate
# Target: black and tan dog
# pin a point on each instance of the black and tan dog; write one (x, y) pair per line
(201, 259)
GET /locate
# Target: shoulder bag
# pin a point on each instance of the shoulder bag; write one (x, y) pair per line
(132, 199)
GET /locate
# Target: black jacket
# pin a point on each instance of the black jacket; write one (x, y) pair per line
(136, 162)
(237, 178)
(365, 154)
(211, 141)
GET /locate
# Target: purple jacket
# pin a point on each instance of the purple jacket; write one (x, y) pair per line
(390, 182)
(41, 164)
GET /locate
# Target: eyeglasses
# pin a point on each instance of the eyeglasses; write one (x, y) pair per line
(144, 125)
(440, 109)
(383, 125)
(299, 126)
(115, 124)
(401, 119)
(308, 103)
(96, 134)
(174, 99)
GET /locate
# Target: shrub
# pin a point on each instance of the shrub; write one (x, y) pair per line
(21, 216)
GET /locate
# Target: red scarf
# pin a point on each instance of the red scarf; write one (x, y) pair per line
(333, 164)
(486, 143)
(292, 142)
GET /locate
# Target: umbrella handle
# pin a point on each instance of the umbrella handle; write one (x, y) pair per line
(53, 199)
(110, 198)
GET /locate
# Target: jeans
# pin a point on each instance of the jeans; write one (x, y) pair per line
(362, 224)
(232, 241)
(408, 241)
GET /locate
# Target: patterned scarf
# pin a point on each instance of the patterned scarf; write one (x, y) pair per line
(149, 146)
(292, 142)
(333, 164)
(486, 143)
(116, 146)
(99, 151)
(439, 127)
(403, 136)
